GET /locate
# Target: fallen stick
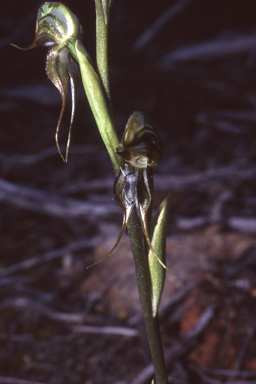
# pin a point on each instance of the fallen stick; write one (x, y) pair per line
(210, 50)
(31, 305)
(226, 372)
(191, 223)
(175, 182)
(51, 255)
(241, 116)
(51, 204)
(241, 224)
(32, 159)
(108, 330)
(150, 32)
(244, 349)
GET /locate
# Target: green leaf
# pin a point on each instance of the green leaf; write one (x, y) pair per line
(157, 272)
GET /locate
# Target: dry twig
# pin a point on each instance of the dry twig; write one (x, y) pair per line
(149, 34)
(108, 330)
(32, 305)
(34, 261)
(226, 372)
(242, 224)
(210, 50)
(32, 159)
(244, 349)
(51, 204)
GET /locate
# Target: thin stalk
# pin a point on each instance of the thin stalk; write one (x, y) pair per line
(144, 288)
(141, 263)
(102, 18)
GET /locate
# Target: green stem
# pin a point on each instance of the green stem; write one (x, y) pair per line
(96, 89)
(144, 288)
(102, 16)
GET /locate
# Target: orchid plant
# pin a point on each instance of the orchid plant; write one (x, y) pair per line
(133, 158)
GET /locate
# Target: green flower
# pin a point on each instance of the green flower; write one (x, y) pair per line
(58, 28)
(133, 188)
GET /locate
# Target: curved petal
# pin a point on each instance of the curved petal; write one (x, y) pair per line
(124, 225)
(56, 70)
(60, 67)
(126, 196)
(74, 75)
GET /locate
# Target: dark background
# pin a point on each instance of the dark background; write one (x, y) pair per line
(196, 79)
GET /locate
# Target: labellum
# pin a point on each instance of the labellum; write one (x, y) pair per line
(56, 27)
